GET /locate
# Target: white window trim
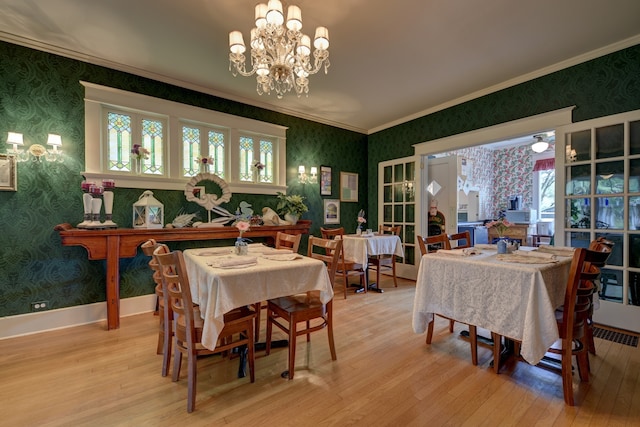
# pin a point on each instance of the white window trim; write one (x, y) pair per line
(97, 97)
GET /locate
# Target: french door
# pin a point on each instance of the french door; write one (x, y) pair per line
(599, 166)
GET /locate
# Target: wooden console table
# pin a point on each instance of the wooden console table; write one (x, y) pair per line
(113, 244)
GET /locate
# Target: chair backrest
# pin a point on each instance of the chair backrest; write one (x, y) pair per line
(288, 241)
(583, 272)
(147, 248)
(329, 252)
(176, 283)
(390, 229)
(331, 233)
(428, 244)
(462, 239)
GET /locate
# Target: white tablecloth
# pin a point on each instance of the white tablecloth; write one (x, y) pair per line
(359, 248)
(515, 300)
(219, 290)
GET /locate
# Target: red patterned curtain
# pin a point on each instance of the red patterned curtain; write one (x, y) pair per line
(544, 164)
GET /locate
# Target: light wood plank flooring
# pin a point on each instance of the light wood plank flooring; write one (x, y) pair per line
(385, 375)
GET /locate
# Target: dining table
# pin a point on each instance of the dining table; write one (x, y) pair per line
(359, 247)
(220, 280)
(514, 294)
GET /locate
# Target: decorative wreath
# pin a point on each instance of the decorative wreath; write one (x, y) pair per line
(208, 201)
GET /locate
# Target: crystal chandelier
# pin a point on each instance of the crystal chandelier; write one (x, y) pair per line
(280, 55)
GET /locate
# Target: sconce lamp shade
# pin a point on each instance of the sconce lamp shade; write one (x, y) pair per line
(148, 212)
(15, 138)
(54, 140)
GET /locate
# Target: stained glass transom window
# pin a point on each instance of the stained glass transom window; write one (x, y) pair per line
(153, 141)
(190, 150)
(266, 158)
(246, 158)
(119, 137)
(216, 150)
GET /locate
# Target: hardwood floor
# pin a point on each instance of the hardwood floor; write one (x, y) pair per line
(385, 375)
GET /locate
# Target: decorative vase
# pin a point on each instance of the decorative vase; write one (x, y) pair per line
(204, 168)
(241, 248)
(137, 165)
(359, 230)
(293, 219)
(502, 245)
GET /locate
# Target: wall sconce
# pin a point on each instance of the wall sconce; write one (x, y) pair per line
(312, 178)
(36, 151)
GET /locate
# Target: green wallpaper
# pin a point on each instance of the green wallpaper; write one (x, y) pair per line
(600, 87)
(40, 93)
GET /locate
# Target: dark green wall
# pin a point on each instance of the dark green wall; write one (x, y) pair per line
(40, 94)
(600, 87)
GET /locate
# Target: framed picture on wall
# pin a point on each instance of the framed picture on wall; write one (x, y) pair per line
(325, 180)
(8, 173)
(348, 187)
(331, 211)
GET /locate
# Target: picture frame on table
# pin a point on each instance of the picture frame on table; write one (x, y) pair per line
(348, 187)
(331, 211)
(325, 180)
(8, 173)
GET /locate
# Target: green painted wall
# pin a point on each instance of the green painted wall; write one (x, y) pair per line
(600, 87)
(40, 93)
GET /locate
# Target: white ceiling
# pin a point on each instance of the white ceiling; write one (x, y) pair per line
(390, 61)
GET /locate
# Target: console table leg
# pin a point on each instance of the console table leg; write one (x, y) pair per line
(113, 282)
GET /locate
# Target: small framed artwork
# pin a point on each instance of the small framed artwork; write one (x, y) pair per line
(8, 173)
(348, 187)
(325, 180)
(331, 211)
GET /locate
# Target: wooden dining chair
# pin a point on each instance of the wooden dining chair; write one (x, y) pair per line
(237, 330)
(306, 307)
(347, 267)
(601, 244)
(165, 330)
(462, 240)
(441, 241)
(433, 243)
(283, 241)
(571, 320)
(386, 261)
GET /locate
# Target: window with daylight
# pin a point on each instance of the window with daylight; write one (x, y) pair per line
(153, 143)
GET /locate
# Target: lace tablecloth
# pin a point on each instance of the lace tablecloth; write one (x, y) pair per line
(359, 248)
(513, 299)
(219, 290)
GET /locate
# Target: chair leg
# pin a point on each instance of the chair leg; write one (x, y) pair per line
(583, 364)
(451, 323)
(497, 350)
(292, 346)
(251, 354)
(191, 382)
(473, 336)
(269, 330)
(393, 266)
(430, 330)
(378, 274)
(258, 309)
(567, 379)
(332, 345)
(160, 345)
(166, 345)
(589, 336)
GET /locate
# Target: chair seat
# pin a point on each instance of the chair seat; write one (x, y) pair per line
(297, 303)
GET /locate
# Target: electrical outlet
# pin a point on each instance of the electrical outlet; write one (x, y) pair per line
(40, 305)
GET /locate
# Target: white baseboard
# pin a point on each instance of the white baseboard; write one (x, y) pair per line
(33, 323)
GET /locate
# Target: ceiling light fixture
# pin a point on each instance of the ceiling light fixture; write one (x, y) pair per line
(280, 55)
(540, 145)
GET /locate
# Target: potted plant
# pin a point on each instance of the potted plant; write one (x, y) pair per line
(292, 207)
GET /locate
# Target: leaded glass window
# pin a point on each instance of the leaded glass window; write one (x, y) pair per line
(153, 141)
(216, 150)
(190, 150)
(119, 137)
(246, 159)
(266, 158)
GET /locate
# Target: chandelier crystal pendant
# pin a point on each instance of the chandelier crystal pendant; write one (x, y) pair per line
(281, 55)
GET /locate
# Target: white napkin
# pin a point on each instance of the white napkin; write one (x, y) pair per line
(282, 257)
(557, 250)
(269, 250)
(459, 252)
(233, 262)
(214, 251)
(535, 254)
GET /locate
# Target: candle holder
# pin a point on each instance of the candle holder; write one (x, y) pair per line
(107, 195)
(96, 192)
(86, 201)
